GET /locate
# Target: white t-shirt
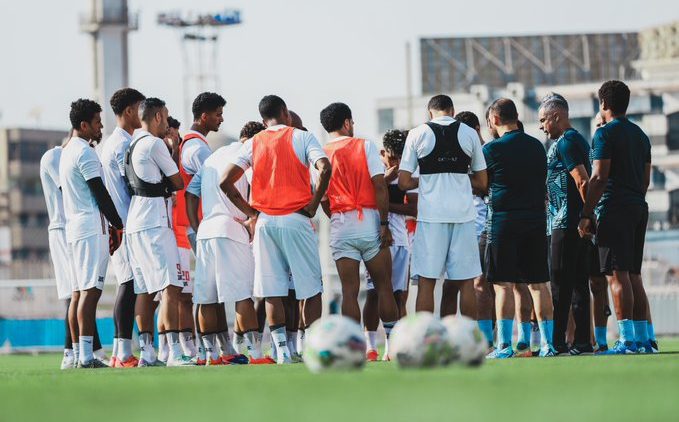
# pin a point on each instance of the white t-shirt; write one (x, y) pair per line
(481, 214)
(151, 160)
(79, 163)
(443, 197)
(347, 225)
(49, 177)
(113, 167)
(219, 213)
(397, 222)
(194, 153)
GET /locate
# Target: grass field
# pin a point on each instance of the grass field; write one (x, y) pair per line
(597, 388)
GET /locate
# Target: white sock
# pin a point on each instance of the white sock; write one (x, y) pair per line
(388, 326)
(175, 346)
(163, 349)
(124, 349)
(86, 352)
(370, 338)
(147, 352)
(68, 353)
(209, 346)
(225, 347)
(280, 342)
(239, 345)
(253, 342)
(114, 352)
(76, 351)
(300, 341)
(291, 337)
(188, 346)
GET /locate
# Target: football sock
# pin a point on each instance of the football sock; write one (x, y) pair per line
(76, 352)
(486, 328)
(163, 348)
(388, 326)
(291, 338)
(300, 341)
(525, 330)
(370, 337)
(188, 346)
(626, 328)
(651, 331)
(124, 349)
(225, 347)
(600, 336)
(546, 332)
(504, 333)
(239, 344)
(535, 335)
(209, 341)
(86, 353)
(280, 343)
(175, 345)
(253, 341)
(114, 351)
(68, 353)
(146, 347)
(641, 331)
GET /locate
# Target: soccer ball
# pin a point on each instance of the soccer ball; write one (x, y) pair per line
(467, 344)
(419, 340)
(334, 342)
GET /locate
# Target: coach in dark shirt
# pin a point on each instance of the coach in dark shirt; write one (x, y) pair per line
(621, 170)
(517, 241)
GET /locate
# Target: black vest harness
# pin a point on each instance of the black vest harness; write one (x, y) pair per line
(138, 186)
(447, 155)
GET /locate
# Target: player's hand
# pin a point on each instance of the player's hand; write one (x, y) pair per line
(585, 228)
(249, 225)
(386, 239)
(391, 174)
(115, 238)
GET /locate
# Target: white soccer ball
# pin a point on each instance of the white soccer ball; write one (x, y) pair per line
(419, 341)
(467, 345)
(334, 342)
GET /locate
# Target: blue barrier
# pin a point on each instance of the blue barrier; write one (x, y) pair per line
(47, 333)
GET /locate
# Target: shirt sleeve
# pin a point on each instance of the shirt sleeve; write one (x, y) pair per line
(375, 164)
(312, 148)
(601, 145)
(161, 156)
(488, 156)
(478, 159)
(52, 168)
(120, 156)
(194, 155)
(194, 186)
(647, 149)
(409, 158)
(570, 153)
(244, 157)
(88, 164)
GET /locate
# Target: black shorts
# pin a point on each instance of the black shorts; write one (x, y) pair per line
(621, 234)
(569, 256)
(517, 252)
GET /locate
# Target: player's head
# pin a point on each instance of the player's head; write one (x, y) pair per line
(153, 114)
(613, 100)
(440, 105)
(336, 118)
(502, 112)
(172, 128)
(274, 111)
(208, 110)
(85, 119)
(125, 104)
(250, 129)
(393, 142)
(296, 121)
(553, 115)
(470, 119)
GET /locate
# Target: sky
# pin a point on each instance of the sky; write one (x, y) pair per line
(310, 52)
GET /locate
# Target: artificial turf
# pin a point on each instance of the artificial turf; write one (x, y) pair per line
(597, 388)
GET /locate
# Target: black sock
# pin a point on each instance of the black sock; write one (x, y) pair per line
(68, 341)
(123, 310)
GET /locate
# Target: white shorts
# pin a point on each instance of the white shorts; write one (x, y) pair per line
(62, 263)
(225, 271)
(400, 260)
(359, 249)
(90, 261)
(154, 259)
(449, 249)
(185, 264)
(283, 246)
(120, 260)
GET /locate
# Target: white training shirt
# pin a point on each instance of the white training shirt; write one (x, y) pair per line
(347, 225)
(194, 153)
(113, 167)
(151, 160)
(49, 177)
(481, 214)
(79, 163)
(219, 213)
(397, 222)
(444, 197)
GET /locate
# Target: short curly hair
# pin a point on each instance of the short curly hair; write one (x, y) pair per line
(468, 118)
(250, 129)
(173, 123)
(394, 140)
(83, 110)
(206, 102)
(334, 116)
(616, 96)
(124, 98)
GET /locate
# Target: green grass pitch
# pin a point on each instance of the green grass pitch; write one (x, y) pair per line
(596, 388)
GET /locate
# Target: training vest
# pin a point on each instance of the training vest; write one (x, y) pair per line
(138, 186)
(447, 155)
(179, 216)
(350, 185)
(281, 184)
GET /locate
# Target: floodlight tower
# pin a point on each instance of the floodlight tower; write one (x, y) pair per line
(109, 22)
(199, 35)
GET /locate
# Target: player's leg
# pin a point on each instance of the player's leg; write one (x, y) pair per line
(504, 309)
(581, 304)
(449, 292)
(208, 322)
(371, 321)
(205, 296)
(430, 250)
(484, 295)
(641, 307)
(523, 310)
(124, 315)
(73, 325)
(301, 327)
(260, 309)
(651, 330)
(463, 265)
(163, 345)
(467, 298)
(87, 309)
(186, 324)
(292, 320)
(379, 267)
(563, 256)
(347, 270)
(68, 361)
(623, 303)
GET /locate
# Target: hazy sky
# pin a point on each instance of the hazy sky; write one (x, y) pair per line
(310, 52)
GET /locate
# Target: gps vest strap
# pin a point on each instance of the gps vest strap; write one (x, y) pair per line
(447, 155)
(137, 185)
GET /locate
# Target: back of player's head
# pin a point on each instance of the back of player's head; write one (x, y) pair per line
(394, 140)
(206, 102)
(271, 107)
(250, 129)
(615, 96)
(149, 107)
(173, 123)
(124, 98)
(469, 119)
(334, 116)
(440, 103)
(83, 110)
(505, 110)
